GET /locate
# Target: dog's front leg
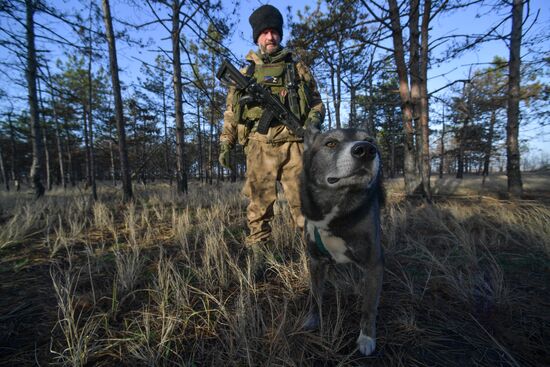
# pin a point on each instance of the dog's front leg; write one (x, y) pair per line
(317, 271)
(371, 285)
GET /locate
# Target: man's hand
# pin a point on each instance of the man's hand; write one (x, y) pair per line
(313, 119)
(224, 158)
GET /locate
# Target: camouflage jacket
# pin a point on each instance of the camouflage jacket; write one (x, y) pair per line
(237, 131)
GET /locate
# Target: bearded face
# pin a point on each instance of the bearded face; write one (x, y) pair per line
(269, 41)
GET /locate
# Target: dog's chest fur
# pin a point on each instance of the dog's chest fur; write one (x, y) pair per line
(335, 245)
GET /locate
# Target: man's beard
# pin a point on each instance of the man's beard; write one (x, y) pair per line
(274, 49)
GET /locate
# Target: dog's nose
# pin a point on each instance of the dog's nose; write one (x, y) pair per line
(363, 149)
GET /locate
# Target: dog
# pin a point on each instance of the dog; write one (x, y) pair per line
(342, 193)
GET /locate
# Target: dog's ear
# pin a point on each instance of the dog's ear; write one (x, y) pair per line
(309, 136)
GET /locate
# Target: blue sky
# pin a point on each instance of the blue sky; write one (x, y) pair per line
(462, 22)
(467, 21)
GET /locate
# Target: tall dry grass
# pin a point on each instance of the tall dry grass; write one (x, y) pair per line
(165, 282)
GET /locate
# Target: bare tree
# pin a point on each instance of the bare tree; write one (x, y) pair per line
(37, 166)
(58, 142)
(178, 94)
(4, 172)
(409, 167)
(121, 129)
(515, 186)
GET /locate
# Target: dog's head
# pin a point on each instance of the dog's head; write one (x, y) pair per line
(341, 158)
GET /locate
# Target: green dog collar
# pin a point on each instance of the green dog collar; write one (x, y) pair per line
(320, 245)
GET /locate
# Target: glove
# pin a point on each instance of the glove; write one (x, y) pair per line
(314, 119)
(224, 158)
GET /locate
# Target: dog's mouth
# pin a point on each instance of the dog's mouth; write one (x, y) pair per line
(359, 172)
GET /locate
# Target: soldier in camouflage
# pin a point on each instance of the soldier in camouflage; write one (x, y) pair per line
(276, 155)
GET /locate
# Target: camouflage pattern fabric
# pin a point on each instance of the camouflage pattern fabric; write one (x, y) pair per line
(266, 164)
(275, 156)
(235, 131)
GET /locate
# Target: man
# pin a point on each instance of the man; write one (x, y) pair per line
(276, 155)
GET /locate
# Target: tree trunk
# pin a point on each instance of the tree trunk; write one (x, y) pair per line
(112, 156)
(424, 118)
(70, 169)
(91, 113)
(46, 157)
(86, 146)
(44, 139)
(414, 72)
(409, 167)
(338, 76)
(113, 65)
(92, 153)
(329, 115)
(211, 139)
(489, 144)
(442, 150)
(335, 100)
(14, 172)
(59, 145)
(178, 96)
(515, 185)
(37, 167)
(199, 138)
(390, 124)
(352, 106)
(165, 124)
(461, 149)
(3, 171)
(371, 128)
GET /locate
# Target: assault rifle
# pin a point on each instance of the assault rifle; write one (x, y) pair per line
(254, 92)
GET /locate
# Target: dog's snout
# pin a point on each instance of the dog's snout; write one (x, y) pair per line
(363, 150)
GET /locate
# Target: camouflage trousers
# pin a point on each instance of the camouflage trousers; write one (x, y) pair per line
(266, 164)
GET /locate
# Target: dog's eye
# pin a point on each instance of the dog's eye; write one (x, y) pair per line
(331, 144)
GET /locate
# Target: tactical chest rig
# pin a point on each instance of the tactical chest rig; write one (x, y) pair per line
(281, 80)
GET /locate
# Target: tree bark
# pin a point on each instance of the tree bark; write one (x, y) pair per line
(112, 156)
(442, 148)
(414, 72)
(515, 185)
(424, 118)
(37, 167)
(70, 168)
(212, 122)
(165, 124)
(14, 172)
(44, 138)
(4, 172)
(328, 114)
(409, 167)
(59, 145)
(178, 96)
(489, 144)
(199, 140)
(87, 155)
(90, 112)
(113, 65)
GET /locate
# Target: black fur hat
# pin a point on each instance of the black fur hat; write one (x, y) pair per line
(266, 16)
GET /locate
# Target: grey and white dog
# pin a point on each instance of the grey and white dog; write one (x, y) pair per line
(341, 191)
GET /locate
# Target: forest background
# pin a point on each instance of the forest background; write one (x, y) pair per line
(348, 45)
(121, 236)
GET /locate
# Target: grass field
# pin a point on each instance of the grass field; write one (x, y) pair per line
(163, 282)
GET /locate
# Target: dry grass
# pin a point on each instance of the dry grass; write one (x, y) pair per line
(164, 282)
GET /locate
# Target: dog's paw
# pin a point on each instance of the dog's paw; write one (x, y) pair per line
(312, 322)
(366, 344)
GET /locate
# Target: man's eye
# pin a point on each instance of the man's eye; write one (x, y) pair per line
(331, 144)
